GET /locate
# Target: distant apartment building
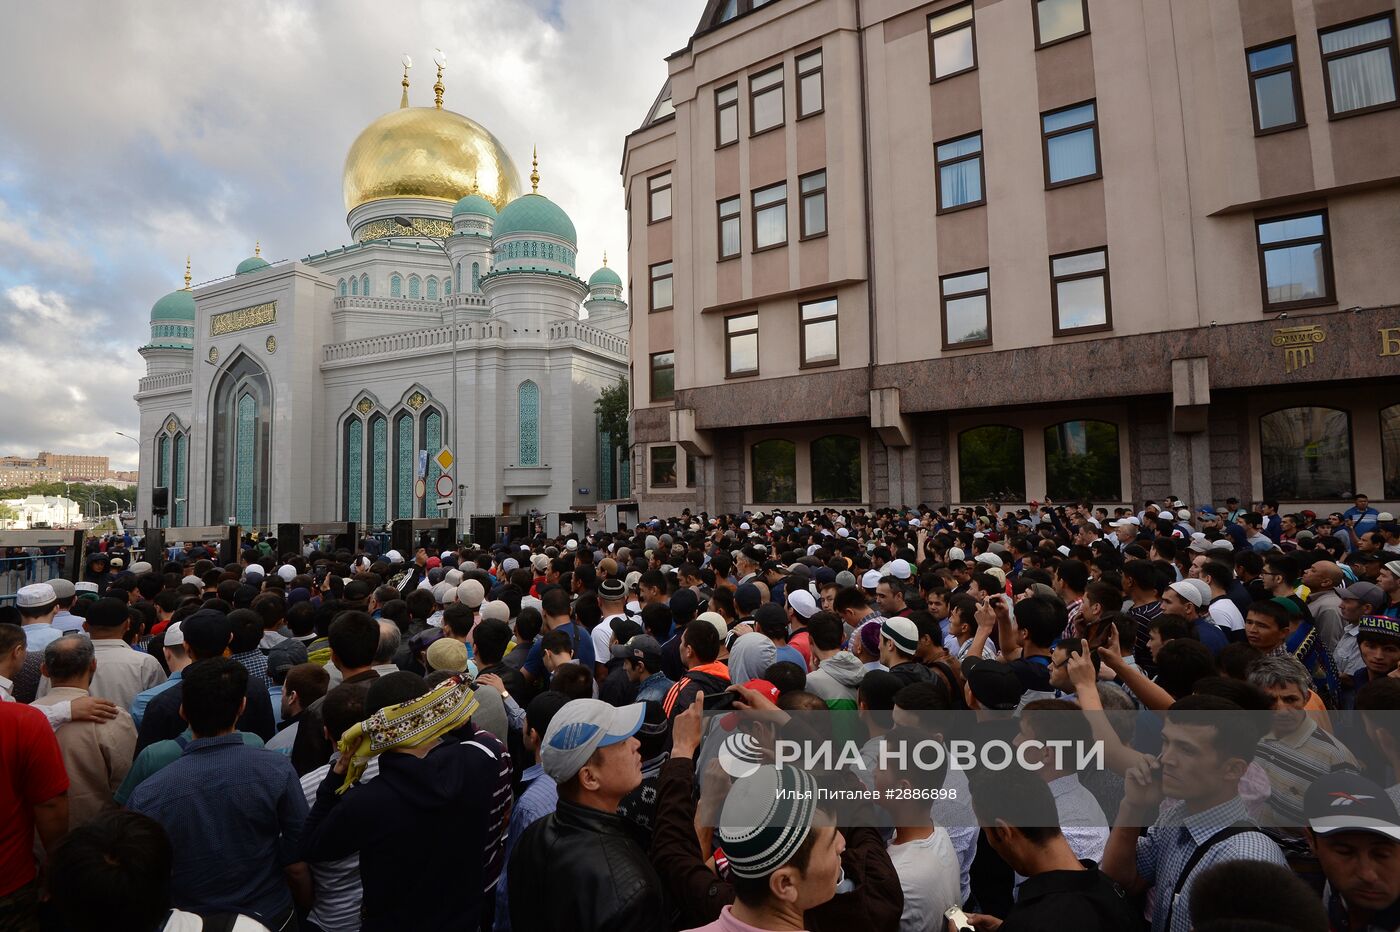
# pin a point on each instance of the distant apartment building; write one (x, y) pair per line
(886, 253)
(14, 476)
(53, 467)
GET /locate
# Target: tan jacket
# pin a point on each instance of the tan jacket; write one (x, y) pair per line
(96, 757)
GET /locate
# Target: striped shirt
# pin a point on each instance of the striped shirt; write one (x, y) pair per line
(1162, 855)
(336, 883)
(1293, 762)
(1143, 615)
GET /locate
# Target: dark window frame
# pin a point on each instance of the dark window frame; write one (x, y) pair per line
(1254, 76)
(720, 218)
(1351, 441)
(1077, 276)
(754, 211)
(802, 325)
(1035, 23)
(651, 380)
(651, 192)
(780, 88)
(729, 372)
(802, 196)
(719, 111)
(1347, 53)
(933, 75)
(1329, 280)
(943, 307)
(821, 79)
(651, 466)
(938, 173)
(1045, 138)
(653, 278)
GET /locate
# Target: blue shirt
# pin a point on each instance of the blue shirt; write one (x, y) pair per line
(791, 655)
(540, 798)
(583, 651)
(1211, 636)
(654, 688)
(234, 815)
(143, 698)
(1365, 520)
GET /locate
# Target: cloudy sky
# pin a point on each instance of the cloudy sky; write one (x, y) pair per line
(132, 135)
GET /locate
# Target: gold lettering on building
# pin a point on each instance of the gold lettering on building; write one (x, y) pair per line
(1390, 341)
(382, 229)
(244, 318)
(1298, 345)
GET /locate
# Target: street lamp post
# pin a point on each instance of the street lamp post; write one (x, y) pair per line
(441, 243)
(138, 448)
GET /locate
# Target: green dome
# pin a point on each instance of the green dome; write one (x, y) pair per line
(178, 305)
(251, 264)
(474, 204)
(604, 276)
(535, 213)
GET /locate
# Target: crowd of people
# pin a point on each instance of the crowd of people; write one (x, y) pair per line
(530, 733)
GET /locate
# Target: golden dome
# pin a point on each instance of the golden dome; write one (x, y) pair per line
(427, 152)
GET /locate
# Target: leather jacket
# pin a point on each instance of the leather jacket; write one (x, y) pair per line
(580, 870)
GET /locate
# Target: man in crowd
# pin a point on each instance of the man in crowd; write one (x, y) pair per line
(33, 799)
(176, 659)
(1354, 832)
(122, 672)
(96, 755)
(354, 641)
(38, 604)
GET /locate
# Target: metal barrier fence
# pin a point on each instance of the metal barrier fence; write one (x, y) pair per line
(28, 557)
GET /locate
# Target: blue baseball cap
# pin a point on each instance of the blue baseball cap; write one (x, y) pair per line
(582, 727)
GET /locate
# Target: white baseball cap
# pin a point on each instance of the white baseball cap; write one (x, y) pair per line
(174, 637)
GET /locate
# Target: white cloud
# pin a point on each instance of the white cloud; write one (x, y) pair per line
(144, 134)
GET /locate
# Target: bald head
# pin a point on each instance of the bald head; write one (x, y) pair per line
(1324, 574)
(389, 641)
(70, 661)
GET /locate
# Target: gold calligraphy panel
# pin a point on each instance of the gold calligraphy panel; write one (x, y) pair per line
(245, 318)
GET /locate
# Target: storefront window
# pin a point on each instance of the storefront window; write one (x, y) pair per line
(1081, 462)
(1306, 454)
(991, 464)
(1390, 450)
(836, 469)
(774, 468)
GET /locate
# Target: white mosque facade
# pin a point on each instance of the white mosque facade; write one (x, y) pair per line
(313, 390)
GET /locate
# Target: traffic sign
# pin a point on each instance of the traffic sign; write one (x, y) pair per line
(444, 486)
(444, 504)
(420, 488)
(444, 459)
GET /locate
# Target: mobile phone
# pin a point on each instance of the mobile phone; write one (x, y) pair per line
(959, 918)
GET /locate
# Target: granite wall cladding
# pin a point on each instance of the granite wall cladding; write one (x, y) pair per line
(931, 452)
(1230, 457)
(1151, 451)
(729, 496)
(880, 474)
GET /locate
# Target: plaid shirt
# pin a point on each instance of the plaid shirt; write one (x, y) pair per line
(1164, 851)
(255, 662)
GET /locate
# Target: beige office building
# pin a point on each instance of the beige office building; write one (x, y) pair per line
(885, 253)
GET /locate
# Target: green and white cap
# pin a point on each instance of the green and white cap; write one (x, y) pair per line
(766, 818)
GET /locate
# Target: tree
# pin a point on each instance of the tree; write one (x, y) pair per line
(613, 408)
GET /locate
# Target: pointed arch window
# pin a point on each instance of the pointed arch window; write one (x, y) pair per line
(353, 494)
(476, 278)
(242, 433)
(344, 288)
(459, 276)
(364, 285)
(396, 285)
(415, 286)
(432, 442)
(529, 407)
(179, 466)
(432, 288)
(163, 461)
(404, 462)
(245, 473)
(354, 286)
(447, 287)
(378, 471)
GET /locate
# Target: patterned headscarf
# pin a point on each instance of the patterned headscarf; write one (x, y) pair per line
(444, 708)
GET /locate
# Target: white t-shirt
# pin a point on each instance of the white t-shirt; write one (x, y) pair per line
(181, 921)
(928, 873)
(1226, 614)
(602, 639)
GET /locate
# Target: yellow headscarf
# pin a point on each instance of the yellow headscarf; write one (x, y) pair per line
(444, 708)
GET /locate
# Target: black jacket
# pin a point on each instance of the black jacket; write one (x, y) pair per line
(162, 720)
(598, 876)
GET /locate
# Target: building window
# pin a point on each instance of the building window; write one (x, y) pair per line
(528, 407)
(659, 197)
(432, 289)
(663, 376)
(1305, 455)
(364, 285)
(692, 466)
(730, 239)
(836, 469)
(354, 286)
(809, 84)
(405, 461)
(952, 42)
(966, 304)
(663, 467)
(353, 493)
(1390, 450)
(770, 216)
(415, 286)
(241, 431)
(432, 442)
(446, 287)
(766, 101)
(959, 166)
(661, 290)
(991, 464)
(812, 198)
(379, 471)
(1295, 261)
(1358, 66)
(179, 466)
(741, 345)
(727, 116)
(344, 288)
(1056, 20)
(476, 277)
(818, 336)
(1081, 462)
(1079, 292)
(773, 465)
(1274, 87)
(395, 286)
(1070, 139)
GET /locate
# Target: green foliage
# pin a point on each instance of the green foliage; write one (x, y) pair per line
(92, 499)
(991, 464)
(612, 408)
